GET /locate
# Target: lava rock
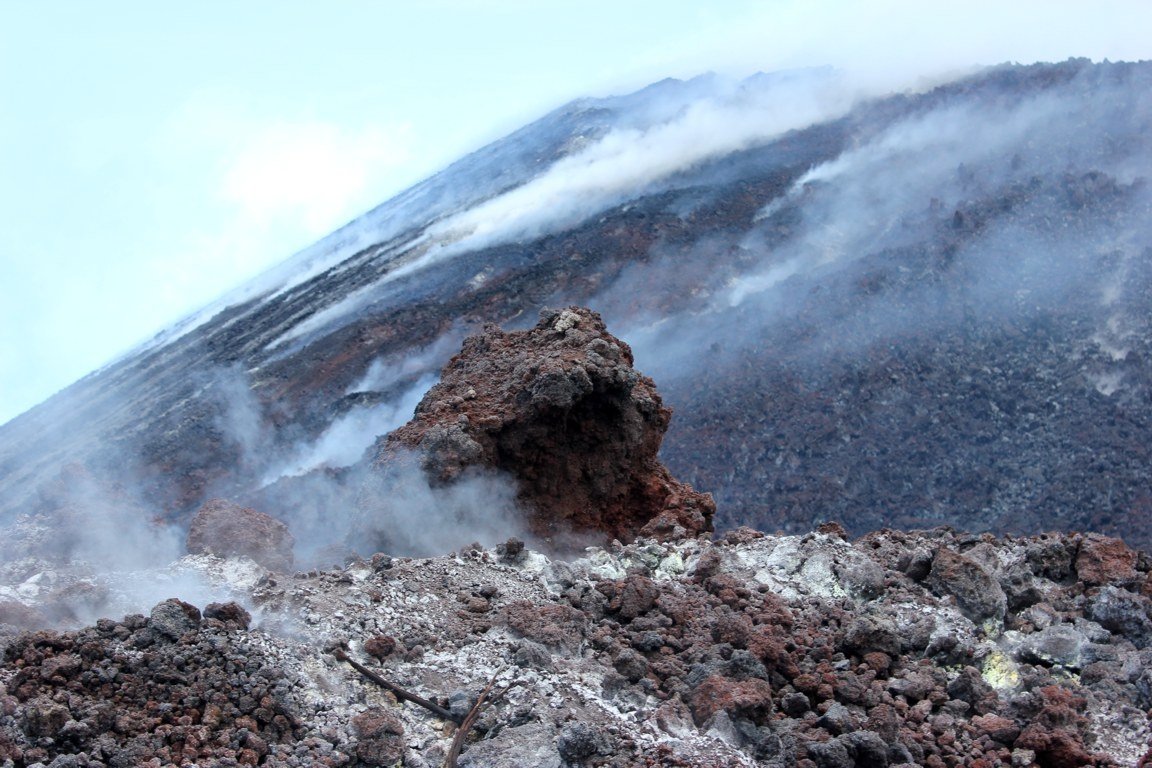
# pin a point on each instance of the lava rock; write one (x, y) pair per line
(174, 618)
(531, 744)
(231, 613)
(533, 655)
(1123, 612)
(381, 737)
(739, 698)
(579, 742)
(1059, 644)
(225, 529)
(380, 646)
(561, 409)
(978, 595)
(1104, 560)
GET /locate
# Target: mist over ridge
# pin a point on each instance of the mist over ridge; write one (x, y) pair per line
(896, 310)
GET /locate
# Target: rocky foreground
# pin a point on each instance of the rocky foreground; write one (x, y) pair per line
(932, 648)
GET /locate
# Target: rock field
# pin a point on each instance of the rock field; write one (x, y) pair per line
(933, 648)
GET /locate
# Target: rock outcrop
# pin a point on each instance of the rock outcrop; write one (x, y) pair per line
(222, 528)
(560, 408)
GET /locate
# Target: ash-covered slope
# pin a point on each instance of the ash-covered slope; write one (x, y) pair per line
(920, 308)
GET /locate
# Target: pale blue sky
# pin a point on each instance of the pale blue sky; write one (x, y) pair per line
(154, 155)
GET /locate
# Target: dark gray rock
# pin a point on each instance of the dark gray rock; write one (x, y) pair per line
(867, 749)
(795, 704)
(837, 719)
(1124, 613)
(530, 654)
(579, 742)
(531, 744)
(631, 665)
(977, 593)
(1059, 644)
(173, 618)
(831, 754)
(914, 686)
(867, 634)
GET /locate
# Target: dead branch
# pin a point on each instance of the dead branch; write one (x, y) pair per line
(399, 692)
(466, 726)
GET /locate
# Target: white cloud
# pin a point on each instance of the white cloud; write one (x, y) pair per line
(259, 187)
(299, 173)
(312, 171)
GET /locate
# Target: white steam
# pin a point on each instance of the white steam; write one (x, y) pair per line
(418, 519)
(895, 190)
(344, 442)
(628, 162)
(641, 156)
(870, 198)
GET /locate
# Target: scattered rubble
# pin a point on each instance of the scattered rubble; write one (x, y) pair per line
(812, 651)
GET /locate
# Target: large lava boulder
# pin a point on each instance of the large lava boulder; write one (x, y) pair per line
(224, 529)
(561, 409)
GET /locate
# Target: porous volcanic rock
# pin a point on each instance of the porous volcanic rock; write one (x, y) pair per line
(223, 528)
(748, 650)
(560, 408)
(127, 693)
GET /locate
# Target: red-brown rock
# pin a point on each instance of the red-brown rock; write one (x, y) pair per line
(744, 698)
(977, 593)
(636, 596)
(222, 528)
(1000, 729)
(381, 737)
(1104, 560)
(231, 614)
(555, 626)
(380, 646)
(560, 408)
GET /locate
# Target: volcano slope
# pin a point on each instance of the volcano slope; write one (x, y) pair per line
(923, 308)
(897, 649)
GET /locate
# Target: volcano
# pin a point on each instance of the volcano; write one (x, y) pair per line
(920, 309)
(845, 319)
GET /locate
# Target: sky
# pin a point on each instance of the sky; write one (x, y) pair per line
(154, 156)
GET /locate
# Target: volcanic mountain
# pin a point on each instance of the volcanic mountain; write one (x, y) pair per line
(924, 308)
(920, 310)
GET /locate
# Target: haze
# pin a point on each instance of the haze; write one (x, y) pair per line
(153, 157)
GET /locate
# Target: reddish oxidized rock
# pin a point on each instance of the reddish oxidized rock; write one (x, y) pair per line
(998, 728)
(745, 698)
(381, 737)
(635, 596)
(560, 408)
(380, 646)
(231, 614)
(1104, 560)
(223, 529)
(555, 626)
